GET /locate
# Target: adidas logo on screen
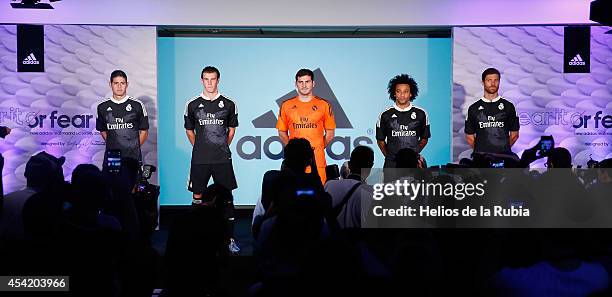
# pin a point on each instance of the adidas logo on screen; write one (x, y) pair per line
(268, 120)
(321, 89)
(577, 61)
(30, 60)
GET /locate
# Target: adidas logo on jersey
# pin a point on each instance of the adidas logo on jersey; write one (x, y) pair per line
(480, 107)
(109, 109)
(577, 61)
(201, 105)
(394, 116)
(30, 60)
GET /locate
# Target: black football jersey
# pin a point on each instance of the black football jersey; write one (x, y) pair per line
(402, 128)
(122, 120)
(491, 122)
(211, 120)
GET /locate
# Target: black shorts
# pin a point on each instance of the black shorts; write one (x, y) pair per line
(200, 174)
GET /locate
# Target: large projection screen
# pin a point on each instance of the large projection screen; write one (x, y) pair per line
(257, 73)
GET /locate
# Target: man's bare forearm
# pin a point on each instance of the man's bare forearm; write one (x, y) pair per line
(230, 135)
(422, 144)
(470, 139)
(382, 145)
(284, 137)
(329, 136)
(191, 136)
(514, 136)
(142, 136)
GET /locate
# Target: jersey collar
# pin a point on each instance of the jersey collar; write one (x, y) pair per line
(210, 99)
(402, 109)
(122, 100)
(492, 100)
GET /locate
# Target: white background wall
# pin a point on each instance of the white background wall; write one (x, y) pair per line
(531, 62)
(78, 63)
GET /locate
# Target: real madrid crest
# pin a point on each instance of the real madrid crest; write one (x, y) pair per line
(221, 104)
(128, 107)
(413, 115)
(500, 106)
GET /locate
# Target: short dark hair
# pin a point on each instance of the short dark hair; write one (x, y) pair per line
(406, 158)
(490, 71)
(560, 158)
(403, 79)
(118, 73)
(303, 72)
(91, 187)
(218, 196)
(607, 163)
(298, 154)
(361, 157)
(43, 170)
(210, 69)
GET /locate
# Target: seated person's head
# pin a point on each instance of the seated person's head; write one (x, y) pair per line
(43, 170)
(362, 157)
(559, 158)
(298, 154)
(604, 173)
(465, 162)
(332, 172)
(217, 196)
(344, 170)
(91, 187)
(406, 158)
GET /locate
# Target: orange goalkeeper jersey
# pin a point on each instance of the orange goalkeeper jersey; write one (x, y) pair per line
(308, 120)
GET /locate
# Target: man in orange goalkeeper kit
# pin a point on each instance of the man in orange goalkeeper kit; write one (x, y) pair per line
(307, 116)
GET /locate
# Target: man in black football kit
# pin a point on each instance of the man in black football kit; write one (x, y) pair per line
(122, 120)
(402, 125)
(491, 125)
(210, 120)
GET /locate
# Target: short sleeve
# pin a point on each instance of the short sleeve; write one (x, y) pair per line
(380, 128)
(189, 118)
(329, 122)
(100, 119)
(513, 121)
(282, 124)
(143, 117)
(233, 116)
(425, 131)
(470, 123)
